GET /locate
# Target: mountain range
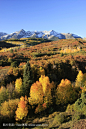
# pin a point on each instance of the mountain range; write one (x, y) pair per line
(51, 35)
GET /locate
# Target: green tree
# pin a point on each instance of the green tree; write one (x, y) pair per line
(27, 79)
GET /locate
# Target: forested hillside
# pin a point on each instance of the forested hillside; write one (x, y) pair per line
(42, 82)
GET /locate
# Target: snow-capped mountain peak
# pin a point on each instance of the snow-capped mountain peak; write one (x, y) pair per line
(2, 34)
(36, 34)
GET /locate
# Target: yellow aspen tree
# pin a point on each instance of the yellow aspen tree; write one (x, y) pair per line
(79, 79)
(84, 83)
(65, 92)
(18, 84)
(22, 109)
(47, 88)
(45, 82)
(36, 93)
(40, 93)
(64, 82)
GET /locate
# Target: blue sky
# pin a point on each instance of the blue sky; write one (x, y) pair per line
(63, 16)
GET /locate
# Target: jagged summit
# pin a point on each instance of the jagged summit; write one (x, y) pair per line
(2, 34)
(37, 34)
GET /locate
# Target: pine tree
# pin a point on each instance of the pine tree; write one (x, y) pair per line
(27, 79)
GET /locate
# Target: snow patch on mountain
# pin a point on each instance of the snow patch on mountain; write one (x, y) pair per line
(2, 34)
(37, 34)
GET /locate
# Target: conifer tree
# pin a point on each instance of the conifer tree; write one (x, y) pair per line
(27, 79)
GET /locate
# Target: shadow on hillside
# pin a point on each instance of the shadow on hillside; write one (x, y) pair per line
(60, 71)
(81, 66)
(3, 44)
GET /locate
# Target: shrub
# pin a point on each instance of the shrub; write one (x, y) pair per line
(8, 108)
(77, 116)
(59, 119)
(22, 109)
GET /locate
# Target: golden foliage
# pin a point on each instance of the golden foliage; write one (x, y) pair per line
(68, 50)
(64, 82)
(8, 108)
(41, 71)
(79, 79)
(18, 84)
(41, 93)
(65, 93)
(45, 82)
(15, 71)
(10, 71)
(22, 109)
(36, 93)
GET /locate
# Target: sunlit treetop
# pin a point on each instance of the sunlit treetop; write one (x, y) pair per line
(64, 82)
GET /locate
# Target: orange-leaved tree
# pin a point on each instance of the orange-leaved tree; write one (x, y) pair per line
(22, 109)
(36, 93)
(41, 93)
